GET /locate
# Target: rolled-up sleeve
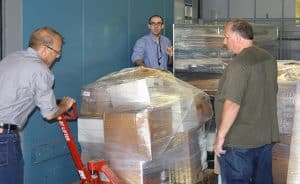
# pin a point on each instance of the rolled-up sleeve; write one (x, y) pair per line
(138, 50)
(44, 95)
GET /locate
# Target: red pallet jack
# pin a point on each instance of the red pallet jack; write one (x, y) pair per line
(97, 171)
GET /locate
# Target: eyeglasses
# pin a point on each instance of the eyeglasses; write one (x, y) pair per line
(156, 23)
(58, 53)
(226, 36)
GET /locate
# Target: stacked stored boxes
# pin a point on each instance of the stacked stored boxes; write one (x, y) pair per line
(152, 123)
(187, 168)
(200, 48)
(294, 158)
(287, 88)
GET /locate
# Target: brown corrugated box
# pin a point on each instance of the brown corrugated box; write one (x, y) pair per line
(280, 160)
(285, 113)
(184, 169)
(127, 136)
(94, 102)
(140, 135)
(209, 84)
(286, 106)
(136, 172)
(187, 168)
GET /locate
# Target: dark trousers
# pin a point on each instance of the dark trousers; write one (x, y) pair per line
(247, 166)
(11, 159)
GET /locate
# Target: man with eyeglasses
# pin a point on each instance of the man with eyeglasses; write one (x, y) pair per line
(26, 82)
(153, 50)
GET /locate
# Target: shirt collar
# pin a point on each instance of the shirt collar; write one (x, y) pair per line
(154, 38)
(32, 51)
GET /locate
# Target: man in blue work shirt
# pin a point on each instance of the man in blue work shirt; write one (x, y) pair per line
(153, 50)
(26, 82)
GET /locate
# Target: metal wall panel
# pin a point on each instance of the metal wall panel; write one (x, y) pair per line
(99, 36)
(46, 156)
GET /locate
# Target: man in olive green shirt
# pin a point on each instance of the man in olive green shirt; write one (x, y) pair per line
(246, 109)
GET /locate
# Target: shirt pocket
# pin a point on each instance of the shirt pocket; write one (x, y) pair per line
(3, 153)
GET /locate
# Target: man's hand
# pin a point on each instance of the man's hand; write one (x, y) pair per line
(169, 51)
(64, 105)
(139, 62)
(218, 146)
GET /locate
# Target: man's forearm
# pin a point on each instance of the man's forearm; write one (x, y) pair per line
(58, 112)
(229, 114)
(65, 104)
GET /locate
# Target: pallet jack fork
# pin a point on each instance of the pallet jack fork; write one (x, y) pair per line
(97, 171)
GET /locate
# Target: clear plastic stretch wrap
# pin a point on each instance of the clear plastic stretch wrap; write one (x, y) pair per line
(288, 86)
(293, 171)
(288, 74)
(153, 126)
(200, 48)
(288, 70)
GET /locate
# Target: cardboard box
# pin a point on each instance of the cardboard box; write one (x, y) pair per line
(180, 164)
(137, 172)
(206, 85)
(91, 138)
(280, 160)
(131, 94)
(141, 135)
(139, 164)
(186, 168)
(94, 102)
(186, 171)
(285, 138)
(286, 106)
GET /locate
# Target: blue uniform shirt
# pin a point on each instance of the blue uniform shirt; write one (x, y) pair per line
(153, 54)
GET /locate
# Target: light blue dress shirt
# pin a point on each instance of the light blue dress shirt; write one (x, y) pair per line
(153, 54)
(26, 82)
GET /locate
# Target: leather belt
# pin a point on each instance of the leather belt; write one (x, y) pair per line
(8, 128)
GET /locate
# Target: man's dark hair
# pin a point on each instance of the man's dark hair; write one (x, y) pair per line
(149, 20)
(242, 27)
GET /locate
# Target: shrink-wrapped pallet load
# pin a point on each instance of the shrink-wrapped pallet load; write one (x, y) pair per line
(288, 75)
(152, 126)
(200, 48)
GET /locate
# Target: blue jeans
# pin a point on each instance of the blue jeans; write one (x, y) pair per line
(247, 166)
(11, 159)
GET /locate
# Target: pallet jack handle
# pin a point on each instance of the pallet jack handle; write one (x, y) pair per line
(96, 168)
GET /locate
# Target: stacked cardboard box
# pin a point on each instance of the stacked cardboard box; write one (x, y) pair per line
(294, 157)
(136, 172)
(144, 143)
(187, 168)
(140, 135)
(151, 125)
(287, 90)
